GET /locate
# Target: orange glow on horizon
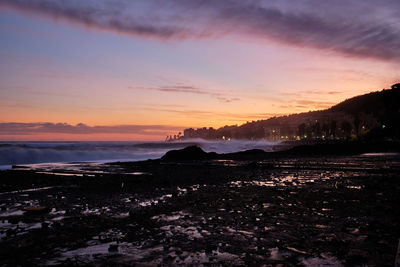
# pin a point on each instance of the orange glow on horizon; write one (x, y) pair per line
(81, 137)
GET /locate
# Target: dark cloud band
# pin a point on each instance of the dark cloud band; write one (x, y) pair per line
(354, 32)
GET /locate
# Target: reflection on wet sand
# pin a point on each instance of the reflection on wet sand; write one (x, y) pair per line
(310, 211)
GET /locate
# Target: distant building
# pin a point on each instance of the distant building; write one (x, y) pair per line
(188, 133)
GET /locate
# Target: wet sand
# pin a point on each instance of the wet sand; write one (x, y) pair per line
(310, 210)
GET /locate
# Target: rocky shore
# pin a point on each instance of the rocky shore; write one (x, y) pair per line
(197, 208)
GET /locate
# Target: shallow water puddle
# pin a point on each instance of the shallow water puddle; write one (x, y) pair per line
(241, 232)
(99, 251)
(65, 174)
(199, 258)
(11, 213)
(228, 163)
(137, 173)
(8, 228)
(149, 202)
(278, 255)
(113, 234)
(356, 187)
(324, 260)
(94, 211)
(173, 217)
(191, 232)
(28, 190)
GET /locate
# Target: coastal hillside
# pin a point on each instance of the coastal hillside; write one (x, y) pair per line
(373, 115)
(383, 105)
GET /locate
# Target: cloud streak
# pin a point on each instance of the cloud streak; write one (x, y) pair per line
(14, 128)
(308, 105)
(354, 28)
(216, 115)
(188, 89)
(99, 15)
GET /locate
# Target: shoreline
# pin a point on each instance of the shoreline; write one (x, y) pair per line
(235, 209)
(299, 148)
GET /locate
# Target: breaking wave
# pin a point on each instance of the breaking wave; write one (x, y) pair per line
(48, 152)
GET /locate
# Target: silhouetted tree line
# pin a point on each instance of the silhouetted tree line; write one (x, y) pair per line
(374, 115)
(306, 130)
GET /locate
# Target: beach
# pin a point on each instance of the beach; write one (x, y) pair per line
(283, 209)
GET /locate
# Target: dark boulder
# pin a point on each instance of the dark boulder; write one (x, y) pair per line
(188, 153)
(38, 210)
(251, 154)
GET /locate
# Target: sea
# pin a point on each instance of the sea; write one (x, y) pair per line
(24, 153)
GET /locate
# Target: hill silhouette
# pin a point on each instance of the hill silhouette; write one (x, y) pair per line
(379, 104)
(373, 115)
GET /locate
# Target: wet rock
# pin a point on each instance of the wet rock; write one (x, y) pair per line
(253, 165)
(188, 153)
(209, 249)
(356, 257)
(223, 223)
(113, 248)
(45, 225)
(38, 210)
(139, 212)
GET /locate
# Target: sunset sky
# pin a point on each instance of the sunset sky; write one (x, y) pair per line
(139, 70)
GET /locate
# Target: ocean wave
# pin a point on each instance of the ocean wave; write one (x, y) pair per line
(47, 152)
